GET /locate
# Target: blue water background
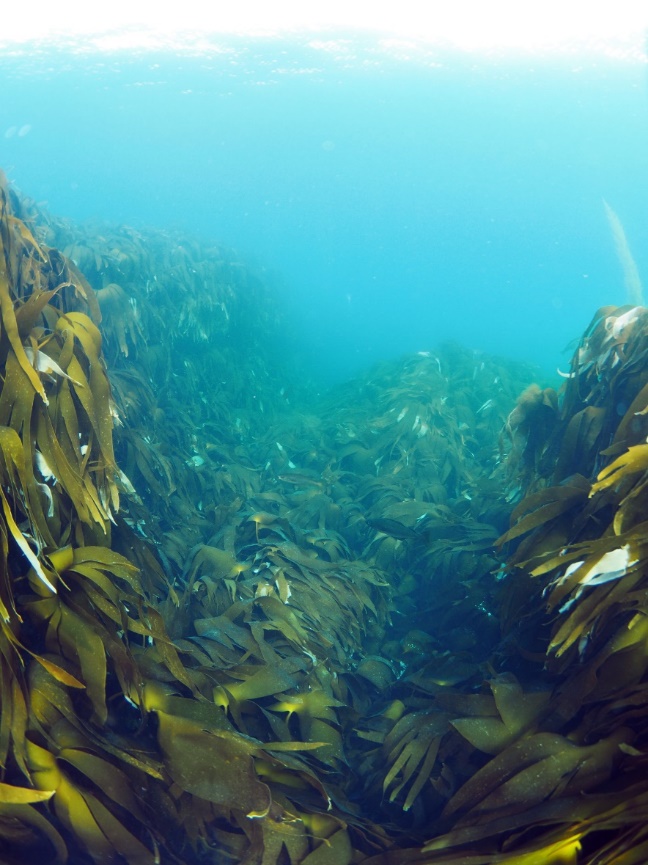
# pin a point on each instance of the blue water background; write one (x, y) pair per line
(393, 202)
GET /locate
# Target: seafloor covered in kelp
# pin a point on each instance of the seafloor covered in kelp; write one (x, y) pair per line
(404, 622)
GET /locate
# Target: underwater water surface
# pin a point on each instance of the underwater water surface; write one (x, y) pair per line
(395, 195)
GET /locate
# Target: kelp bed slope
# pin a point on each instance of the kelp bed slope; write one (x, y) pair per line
(404, 624)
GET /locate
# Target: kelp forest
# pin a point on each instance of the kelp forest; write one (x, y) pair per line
(405, 621)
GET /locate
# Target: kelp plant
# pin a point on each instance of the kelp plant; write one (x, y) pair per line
(403, 624)
(111, 749)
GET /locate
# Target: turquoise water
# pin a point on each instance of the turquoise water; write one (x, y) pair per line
(395, 199)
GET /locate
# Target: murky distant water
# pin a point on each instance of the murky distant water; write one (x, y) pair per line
(395, 201)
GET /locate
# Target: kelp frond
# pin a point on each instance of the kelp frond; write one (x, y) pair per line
(404, 624)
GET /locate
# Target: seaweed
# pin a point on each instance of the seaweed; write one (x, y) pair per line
(405, 622)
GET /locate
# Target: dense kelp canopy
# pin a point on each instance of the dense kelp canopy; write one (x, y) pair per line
(404, 622)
